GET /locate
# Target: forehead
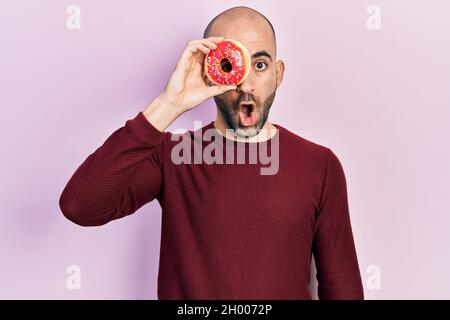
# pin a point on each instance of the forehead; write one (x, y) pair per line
(255, 34)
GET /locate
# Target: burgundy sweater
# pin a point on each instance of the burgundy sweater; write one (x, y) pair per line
(228, 232)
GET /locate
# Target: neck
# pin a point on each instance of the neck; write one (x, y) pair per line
(266, 133)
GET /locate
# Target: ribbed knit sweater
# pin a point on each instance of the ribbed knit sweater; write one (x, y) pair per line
(228, 231)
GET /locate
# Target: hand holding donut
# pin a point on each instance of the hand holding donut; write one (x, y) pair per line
(186, 87)
(189, 84)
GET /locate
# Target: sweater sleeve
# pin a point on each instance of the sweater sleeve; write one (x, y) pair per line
(118, 178)
(334, 250)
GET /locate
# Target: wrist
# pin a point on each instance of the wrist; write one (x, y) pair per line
(161, 112)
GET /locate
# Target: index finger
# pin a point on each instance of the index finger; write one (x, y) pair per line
(215, 38)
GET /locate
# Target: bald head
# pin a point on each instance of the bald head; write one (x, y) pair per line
(256, 33)
(242, 22)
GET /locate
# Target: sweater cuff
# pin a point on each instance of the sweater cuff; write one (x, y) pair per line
(145, 131)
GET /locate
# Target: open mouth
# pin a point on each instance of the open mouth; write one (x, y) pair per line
(247, 115)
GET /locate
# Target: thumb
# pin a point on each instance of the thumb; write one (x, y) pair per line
(216, 90)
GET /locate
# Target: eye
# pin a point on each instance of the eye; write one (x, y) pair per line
(260, 65)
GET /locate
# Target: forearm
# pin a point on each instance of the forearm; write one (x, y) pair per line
(340, 280)
(161, 112)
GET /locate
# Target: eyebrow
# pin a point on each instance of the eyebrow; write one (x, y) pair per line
(262, 53)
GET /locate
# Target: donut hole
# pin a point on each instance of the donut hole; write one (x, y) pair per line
(225, 65)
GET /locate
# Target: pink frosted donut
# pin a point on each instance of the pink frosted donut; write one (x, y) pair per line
(228, 64)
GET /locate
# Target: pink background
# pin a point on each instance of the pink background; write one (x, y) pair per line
(379, 98)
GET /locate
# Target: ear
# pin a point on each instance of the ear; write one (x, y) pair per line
(280, 72)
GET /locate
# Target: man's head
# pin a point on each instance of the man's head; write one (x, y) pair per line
(256, 33)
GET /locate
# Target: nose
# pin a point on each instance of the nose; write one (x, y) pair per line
(248, 86)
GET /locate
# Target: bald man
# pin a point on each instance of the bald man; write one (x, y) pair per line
(230, 230)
